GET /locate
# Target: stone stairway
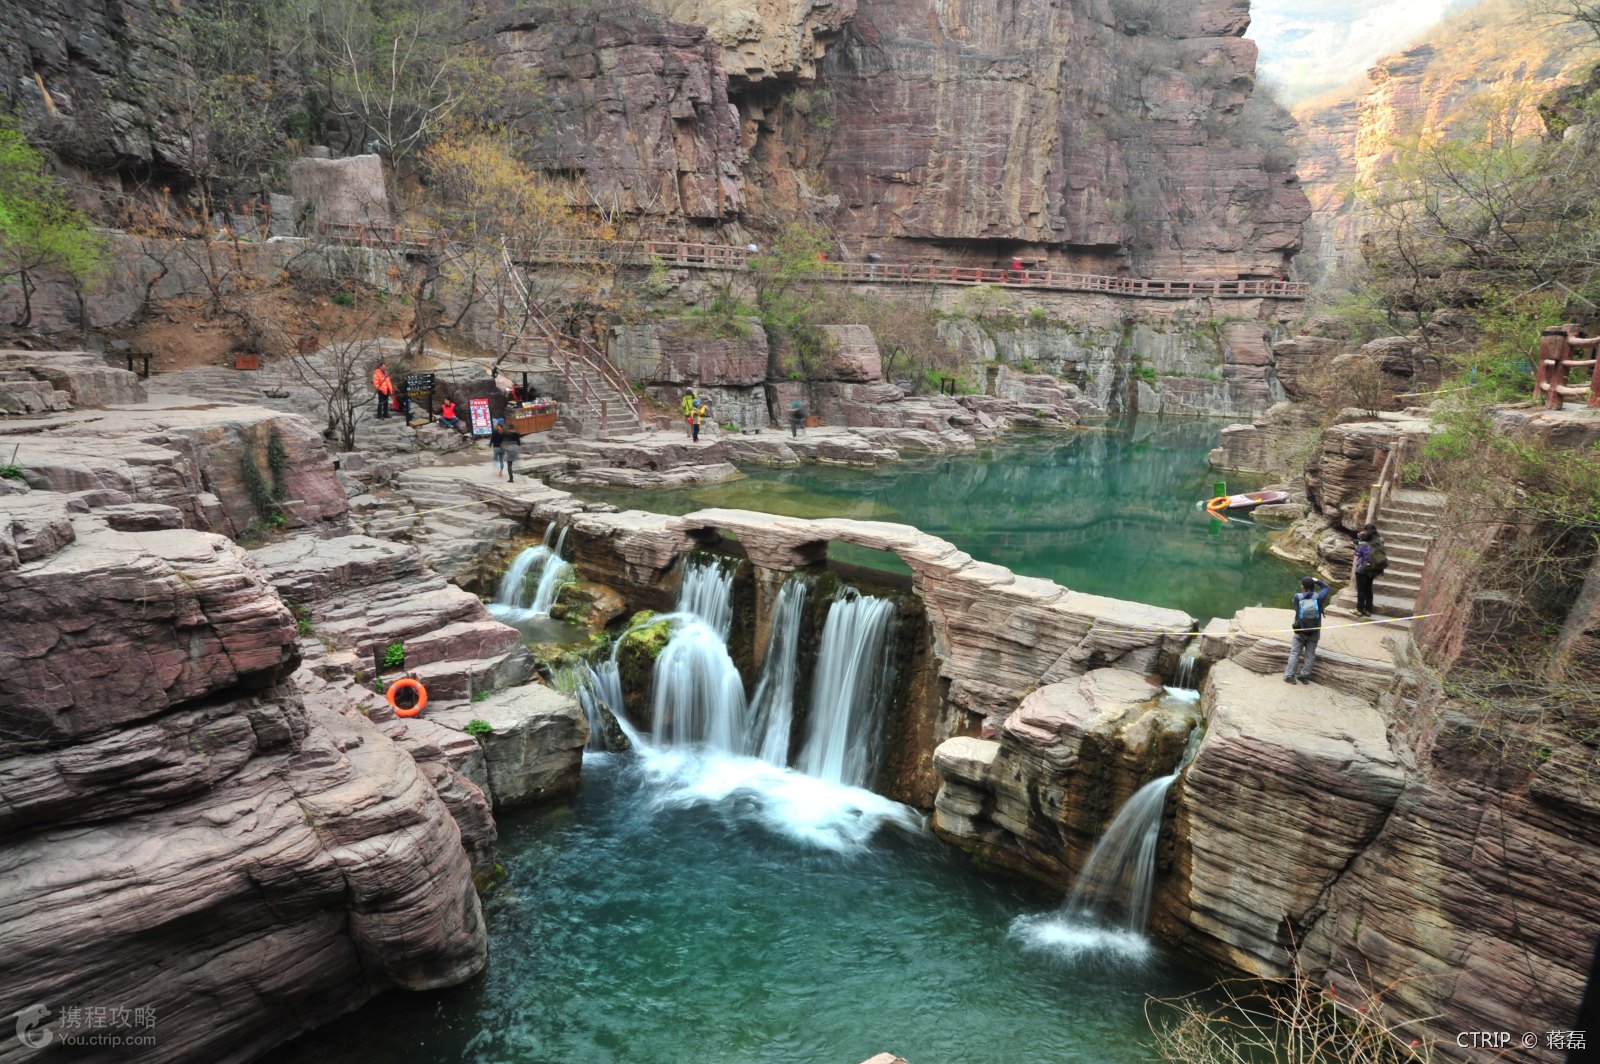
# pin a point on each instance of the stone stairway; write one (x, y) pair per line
(1408, 521)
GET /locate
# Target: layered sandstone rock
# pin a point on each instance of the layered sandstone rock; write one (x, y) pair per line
(1288, 785)
(766, 39)
(1489, 49)
(958, 122)
(199, 458)
(638, 108)
(105, 77)
(63, 379)
(182, 832)
(1270, 444)
(1036, 798)
(1494, 858)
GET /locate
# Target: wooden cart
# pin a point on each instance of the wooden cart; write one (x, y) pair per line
(539, 418)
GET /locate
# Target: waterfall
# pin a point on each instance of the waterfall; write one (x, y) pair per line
(707, 592)
(523, 595)
(699, 694)
(1120, 873)
(852, 680)
(599, 692)
(772, 708)
(1108, 908)
(1186, 680)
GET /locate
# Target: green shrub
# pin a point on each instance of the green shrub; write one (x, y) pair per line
(482, 696)
(476, 728)
(394, 655)
(344, 299)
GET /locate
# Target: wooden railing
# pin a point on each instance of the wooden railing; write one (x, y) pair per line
(559, 343)
(1555, 360)
(728, 257)
(1389, 478)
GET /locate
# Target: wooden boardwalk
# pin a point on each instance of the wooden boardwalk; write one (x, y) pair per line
(687, 255)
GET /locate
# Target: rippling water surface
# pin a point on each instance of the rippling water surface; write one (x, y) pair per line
(701, 909)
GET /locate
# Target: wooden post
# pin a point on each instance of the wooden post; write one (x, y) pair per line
(1557, 373)
(1552, 349)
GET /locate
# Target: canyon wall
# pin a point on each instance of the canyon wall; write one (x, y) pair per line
(1491, 52)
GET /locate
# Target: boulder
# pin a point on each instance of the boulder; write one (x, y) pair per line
(535, 746)
(349, 191)
(852, 355)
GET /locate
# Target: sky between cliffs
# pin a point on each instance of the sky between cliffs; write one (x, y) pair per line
(1308, 46)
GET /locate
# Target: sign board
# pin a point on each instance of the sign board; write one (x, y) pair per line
(479, 412)
(419, 384)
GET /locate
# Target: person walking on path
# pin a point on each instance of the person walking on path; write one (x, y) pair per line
(797, 417)
(1307, 604)
(512, 442)
(1370, 562)
(497, 445)
(384, 387)
(687, 406)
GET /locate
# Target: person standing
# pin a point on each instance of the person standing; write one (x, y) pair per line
(687, 406)
(497, 445)
(1307, 604)
(697, 418)
(384, 387)
(511, 441)
(797, 417)
(1370, 562)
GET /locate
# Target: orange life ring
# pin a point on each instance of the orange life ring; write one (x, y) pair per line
(416, 685)
(1219, 503)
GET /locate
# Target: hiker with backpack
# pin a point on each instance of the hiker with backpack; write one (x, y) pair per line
(1370, 562)
(1307, 604)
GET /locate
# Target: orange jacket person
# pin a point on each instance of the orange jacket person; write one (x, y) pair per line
(384, 387)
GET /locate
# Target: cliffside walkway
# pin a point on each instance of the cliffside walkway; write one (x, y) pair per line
(694, 256)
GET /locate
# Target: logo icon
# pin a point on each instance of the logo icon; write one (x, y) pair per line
(27, 1020)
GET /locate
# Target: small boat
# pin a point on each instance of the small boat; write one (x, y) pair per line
(1248, 501)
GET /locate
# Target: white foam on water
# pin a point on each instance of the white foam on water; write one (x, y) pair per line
(1071, 941)
(801, 808)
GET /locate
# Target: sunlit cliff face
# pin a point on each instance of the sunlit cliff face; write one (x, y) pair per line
(1309, 46)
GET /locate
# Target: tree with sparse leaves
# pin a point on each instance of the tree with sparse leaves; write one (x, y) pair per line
(41, 230)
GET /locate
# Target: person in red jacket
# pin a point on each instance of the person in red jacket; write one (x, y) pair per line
(384, 387)
(447, 415)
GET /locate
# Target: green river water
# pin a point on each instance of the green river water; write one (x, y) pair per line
(1109, 512)
(679, 917)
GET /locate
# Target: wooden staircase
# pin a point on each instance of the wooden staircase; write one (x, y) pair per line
(593, 392)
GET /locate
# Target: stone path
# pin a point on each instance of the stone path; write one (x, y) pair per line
(1408, 521)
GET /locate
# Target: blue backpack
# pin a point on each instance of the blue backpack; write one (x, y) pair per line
(1307, 611)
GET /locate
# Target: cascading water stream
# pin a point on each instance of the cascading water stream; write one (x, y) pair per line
(699, 694)
(853, 676)
(1110, 900)
(536, 576)
(772, 707)
(1185, 685)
